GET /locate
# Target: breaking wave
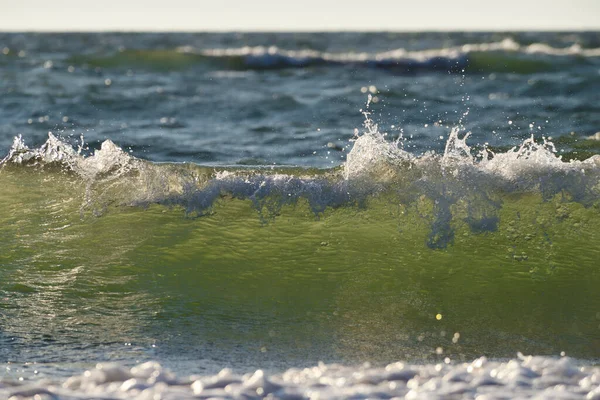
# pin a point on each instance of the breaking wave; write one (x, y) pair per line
(374, 167)
(428, 234)
(504, 56)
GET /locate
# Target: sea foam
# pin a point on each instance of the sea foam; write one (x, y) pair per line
(522, 377)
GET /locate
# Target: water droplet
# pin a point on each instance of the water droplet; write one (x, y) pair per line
(455, 337)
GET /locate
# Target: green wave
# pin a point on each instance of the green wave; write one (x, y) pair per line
(155, 59)
(358, 279)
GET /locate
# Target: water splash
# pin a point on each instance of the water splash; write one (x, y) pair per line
(442, 188)
(108, 159)
(372, 155)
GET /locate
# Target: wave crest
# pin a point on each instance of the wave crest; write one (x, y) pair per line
(503, 56)
(375, 168)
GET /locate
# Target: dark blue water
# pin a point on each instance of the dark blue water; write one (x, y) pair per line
(240, 98)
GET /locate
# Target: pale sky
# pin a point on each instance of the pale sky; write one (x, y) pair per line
(285, 15)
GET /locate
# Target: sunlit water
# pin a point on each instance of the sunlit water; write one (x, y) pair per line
(269, 202)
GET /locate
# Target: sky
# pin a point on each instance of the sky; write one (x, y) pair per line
(306, 15)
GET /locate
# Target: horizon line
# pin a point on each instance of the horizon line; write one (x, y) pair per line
(302, 30)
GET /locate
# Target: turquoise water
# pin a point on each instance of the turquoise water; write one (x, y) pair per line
(315, 199)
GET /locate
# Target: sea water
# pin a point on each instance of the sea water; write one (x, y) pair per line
(345, 215)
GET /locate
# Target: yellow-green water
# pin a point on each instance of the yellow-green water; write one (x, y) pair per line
(365, 280)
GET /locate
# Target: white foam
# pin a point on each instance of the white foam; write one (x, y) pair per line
(522, 377)
(53, 150)
(272, 55)
(110, 157)
(522, 160)
(372, 156)
(374, 164)
(523, 163)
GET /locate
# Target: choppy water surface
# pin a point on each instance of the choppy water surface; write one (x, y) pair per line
(230, 206)
(279, 98)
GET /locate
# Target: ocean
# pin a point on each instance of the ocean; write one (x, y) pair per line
(300, 215)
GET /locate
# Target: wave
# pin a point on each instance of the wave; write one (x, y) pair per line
(468, 236)
(504, 56)
(374, 167)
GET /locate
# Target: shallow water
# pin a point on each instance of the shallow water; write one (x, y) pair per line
(525, 377)
(250, 217)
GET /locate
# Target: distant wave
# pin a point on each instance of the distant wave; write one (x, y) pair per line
(503, 56)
